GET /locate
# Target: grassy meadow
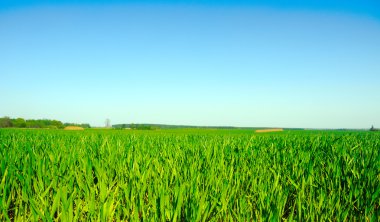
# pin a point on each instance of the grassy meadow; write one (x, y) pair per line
(189, 175)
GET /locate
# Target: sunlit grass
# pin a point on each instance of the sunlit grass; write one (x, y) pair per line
(189, 175)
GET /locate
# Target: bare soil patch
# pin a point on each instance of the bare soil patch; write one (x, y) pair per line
(73, 128)
(268, 130)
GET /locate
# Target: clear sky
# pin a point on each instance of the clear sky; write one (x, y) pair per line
(312, 64)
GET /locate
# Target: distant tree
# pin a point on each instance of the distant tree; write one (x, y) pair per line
(85, 125)
(31, 123)
(19, 123)
(5, 122)
(57, 124)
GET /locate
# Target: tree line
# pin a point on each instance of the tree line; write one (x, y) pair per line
(137, 126)
(373, 129)
(7, 122)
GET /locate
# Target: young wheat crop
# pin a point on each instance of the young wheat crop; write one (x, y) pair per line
(194, 175)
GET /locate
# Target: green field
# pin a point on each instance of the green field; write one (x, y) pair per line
(189, 175)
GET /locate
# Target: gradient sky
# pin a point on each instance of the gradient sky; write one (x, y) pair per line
(311, 64)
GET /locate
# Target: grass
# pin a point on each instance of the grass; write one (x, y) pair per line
(189, 175)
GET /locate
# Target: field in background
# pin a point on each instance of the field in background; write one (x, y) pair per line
(189, 175)
(269, 130)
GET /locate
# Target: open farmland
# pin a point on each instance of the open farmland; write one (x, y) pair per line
(189, 175)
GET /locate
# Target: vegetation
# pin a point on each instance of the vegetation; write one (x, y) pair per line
(373, 129)
(7, 122)
(83, 125)
(165, 126)
(189, 175)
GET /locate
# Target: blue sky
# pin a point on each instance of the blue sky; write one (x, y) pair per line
(238, 63)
